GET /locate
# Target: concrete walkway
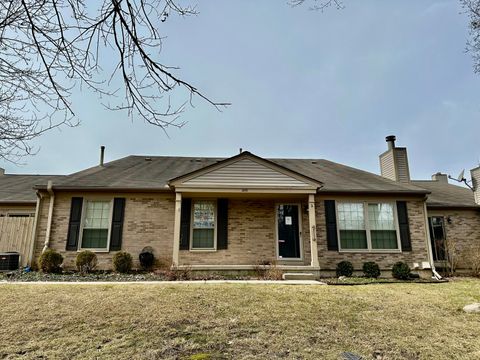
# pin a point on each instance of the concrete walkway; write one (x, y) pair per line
(186, 282)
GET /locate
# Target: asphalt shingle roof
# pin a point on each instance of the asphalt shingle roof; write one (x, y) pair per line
(145, 172)
(447, 195)
(19, 188)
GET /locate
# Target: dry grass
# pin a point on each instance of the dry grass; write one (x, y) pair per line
(394, 321)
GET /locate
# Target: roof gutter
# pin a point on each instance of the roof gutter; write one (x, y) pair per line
(50, 215)
(436, 275)
(35, 228)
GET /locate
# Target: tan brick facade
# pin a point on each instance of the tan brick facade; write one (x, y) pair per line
(416, 218)
(149, 221)
(251, 235)
(463, 229)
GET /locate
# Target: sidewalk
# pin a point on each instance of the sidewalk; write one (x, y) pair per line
(186, 282)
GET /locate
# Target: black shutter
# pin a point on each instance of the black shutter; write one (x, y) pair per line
(331, 220)
(117, 224)
(74, 223)
(403, 225)
(222, 224)
(185, 224)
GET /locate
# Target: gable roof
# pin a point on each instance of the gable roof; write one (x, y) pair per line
(19, 188)
(246, 170)
(153, 173)
(445, 195)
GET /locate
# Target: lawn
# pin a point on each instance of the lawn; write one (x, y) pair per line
(135, 321)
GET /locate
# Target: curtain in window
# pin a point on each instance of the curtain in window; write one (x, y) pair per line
(351, 221)
(96, 224)
(382, 226)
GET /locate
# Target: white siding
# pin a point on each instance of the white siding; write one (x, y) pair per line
(401, 161)
(394, 165)
(245, 172)
(387, 166)
(16, 235)
(475, 173)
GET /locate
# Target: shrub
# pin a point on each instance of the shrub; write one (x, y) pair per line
(344, 268)
(50, 261)
(175, 273)
(122, 262)
(147, 259)
(401, 270)
(371, 269)
(86, 261)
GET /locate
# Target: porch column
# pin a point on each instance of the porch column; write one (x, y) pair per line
(176, 229)
(313, 230)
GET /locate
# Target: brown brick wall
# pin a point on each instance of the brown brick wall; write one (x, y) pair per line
(148, 222)
(464, 229)
(251, 236)
(329, 259)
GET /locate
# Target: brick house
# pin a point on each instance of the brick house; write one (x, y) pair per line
(215, 214)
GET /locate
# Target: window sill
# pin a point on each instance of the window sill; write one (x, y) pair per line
(374, 251)
(95, 250)
(203, 250)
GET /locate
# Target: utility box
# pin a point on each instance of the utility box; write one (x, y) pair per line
(9, 261)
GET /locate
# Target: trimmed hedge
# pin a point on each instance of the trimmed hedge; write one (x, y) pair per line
(401, 270)
(122, 262)
(50, 261)
(371, 269)
(344, 268)
(86, 261)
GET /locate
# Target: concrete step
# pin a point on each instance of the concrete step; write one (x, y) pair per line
(299, 276)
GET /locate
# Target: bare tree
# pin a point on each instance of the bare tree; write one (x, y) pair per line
(472, 9)
(318, 4)
(50, 47)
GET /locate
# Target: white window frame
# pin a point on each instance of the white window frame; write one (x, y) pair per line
(369, 248)
(82, 223)
(214, 248)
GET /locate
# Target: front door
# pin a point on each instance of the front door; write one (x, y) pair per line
(288, 231)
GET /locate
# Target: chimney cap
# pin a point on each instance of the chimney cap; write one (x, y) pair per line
(390, 138)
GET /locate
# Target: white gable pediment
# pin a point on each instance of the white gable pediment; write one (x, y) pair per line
(247, 172)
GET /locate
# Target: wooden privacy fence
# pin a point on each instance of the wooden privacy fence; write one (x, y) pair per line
(16, 235)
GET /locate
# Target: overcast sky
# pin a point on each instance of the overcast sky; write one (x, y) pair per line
(302, 84)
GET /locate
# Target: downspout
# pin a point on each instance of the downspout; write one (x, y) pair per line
(50, 215)
(35, 226)
(436, 275)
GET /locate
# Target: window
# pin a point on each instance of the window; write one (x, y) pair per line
(203, 225)
(437, 237)
(96, 225)
(367, 226)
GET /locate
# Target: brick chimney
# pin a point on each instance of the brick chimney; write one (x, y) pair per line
(2, 171)
(475, 173)
(442, 178)
(394, 162)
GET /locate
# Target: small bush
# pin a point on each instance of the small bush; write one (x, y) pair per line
(401, 270)
(86, 261)
(163, 263)
(122, 262)
(147, 260)
(175, 273)
(50, 261)
(344, 268)
(371, 269)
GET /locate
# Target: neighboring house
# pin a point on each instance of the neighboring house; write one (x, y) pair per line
(235, 213)
(18, 204)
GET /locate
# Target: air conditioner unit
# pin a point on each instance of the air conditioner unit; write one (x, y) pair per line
(9, 261)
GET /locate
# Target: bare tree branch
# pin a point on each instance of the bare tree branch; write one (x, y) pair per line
(50, 47)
